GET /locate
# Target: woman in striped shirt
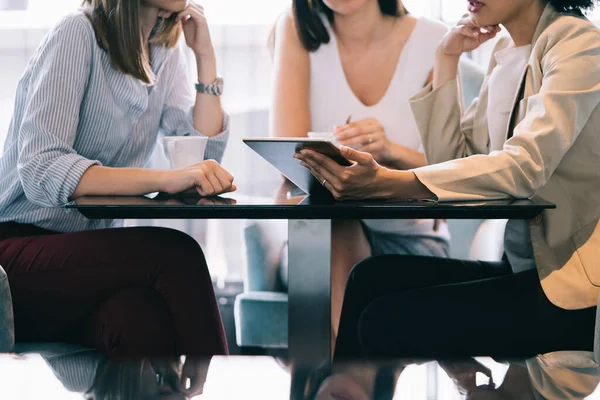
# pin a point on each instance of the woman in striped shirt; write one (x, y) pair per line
(88, 112)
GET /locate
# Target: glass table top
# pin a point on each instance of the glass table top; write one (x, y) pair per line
(67, 373)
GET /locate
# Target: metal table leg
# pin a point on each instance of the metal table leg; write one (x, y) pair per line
(309, 291)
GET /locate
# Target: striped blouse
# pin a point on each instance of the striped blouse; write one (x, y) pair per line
(74, 110)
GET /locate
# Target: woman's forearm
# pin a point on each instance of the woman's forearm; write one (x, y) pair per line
(446, 68)
(404, 158)
(398, 185)
(208, 113)
(105, 181)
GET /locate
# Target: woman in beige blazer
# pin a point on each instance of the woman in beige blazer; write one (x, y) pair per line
(544, 141)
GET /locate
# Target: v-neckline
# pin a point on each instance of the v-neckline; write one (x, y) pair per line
(399, 65)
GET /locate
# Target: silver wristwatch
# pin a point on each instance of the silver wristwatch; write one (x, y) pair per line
(215, 88)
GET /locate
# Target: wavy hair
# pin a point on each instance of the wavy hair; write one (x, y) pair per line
(576, 6)
(118, 31)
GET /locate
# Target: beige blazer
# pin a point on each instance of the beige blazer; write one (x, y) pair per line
(554, 153)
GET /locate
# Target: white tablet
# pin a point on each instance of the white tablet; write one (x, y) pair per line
(279, 152)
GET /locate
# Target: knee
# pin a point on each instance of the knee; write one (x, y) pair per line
(365, 271)
(177, 242)
(180, 265)
(177, 249)
(374, 270)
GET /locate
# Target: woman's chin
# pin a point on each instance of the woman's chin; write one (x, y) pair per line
(481, 20)
(344, 7)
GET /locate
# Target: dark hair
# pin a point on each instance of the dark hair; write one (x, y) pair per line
(118, 31)
(312, 31)
(576, 6)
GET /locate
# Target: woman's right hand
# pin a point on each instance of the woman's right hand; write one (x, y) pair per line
(466, 37)
(208, 178)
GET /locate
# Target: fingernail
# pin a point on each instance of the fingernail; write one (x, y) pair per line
(303, 152)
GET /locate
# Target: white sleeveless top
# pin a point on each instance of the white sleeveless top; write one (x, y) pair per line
(332, 100)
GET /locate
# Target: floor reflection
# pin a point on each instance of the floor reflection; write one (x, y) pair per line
(74, 373)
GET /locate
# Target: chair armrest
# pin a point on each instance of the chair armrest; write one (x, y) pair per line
(7, 326)
(263, 242)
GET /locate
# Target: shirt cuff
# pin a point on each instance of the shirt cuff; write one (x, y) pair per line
(71, 167)
(215, 148)
(432, 177)
(223, 136)
(216, 144)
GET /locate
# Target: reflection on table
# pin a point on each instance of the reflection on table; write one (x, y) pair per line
(287, 203)
(67, 372)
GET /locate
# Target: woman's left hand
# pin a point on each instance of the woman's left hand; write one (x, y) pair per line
(367, 135)
(358, 181)
(195, 30)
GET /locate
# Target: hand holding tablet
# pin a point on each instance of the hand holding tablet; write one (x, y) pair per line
(280, 152)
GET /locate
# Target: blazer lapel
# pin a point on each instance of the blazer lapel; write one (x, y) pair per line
(517, 114)
(549, 15)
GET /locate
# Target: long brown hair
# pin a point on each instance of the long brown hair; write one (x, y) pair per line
(118, 31)
(312, 31)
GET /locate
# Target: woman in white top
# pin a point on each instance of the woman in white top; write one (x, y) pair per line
(532, 131)
(363, 59)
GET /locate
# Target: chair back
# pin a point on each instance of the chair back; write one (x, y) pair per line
(264, 242)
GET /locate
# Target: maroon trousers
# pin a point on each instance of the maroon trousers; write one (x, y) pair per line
(131, 292)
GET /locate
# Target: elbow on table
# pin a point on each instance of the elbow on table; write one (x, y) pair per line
(43, 187)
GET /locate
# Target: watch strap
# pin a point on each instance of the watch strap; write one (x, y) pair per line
(215, 88)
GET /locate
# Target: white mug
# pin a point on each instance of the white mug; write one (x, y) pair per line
(184, 151)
